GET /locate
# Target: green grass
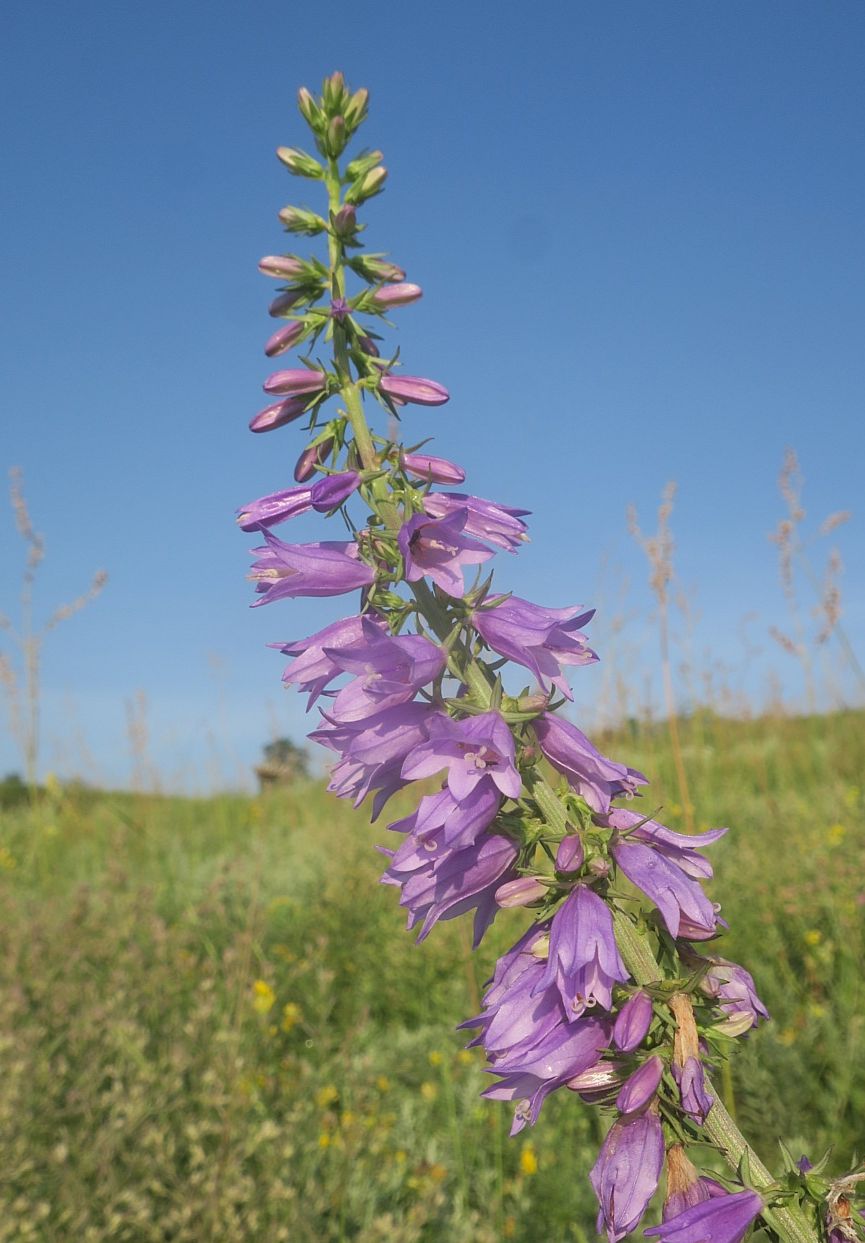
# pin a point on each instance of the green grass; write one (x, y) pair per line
(214, 1026)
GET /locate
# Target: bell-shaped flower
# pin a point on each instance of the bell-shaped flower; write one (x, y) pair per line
(440, 823)
(592, 775)
(464, 880)
(389, 669)
(500, 525)
(529, 1077)
(686, 1065)
(683, 905)
(584, 962)
(284, 338)
(720, 1219)
(626, 1173)
(440, 549)
(322, 496)
(330, 568)
(542, 640)
(372, 752)
(679, 848)
(476, 749)
(734, 990)
(314, 667)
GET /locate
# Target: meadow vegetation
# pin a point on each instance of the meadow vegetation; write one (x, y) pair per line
(214, 1026)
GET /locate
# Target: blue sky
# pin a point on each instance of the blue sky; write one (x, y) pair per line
(639, 232)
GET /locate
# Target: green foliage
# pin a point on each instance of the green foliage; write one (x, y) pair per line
(215, 1026)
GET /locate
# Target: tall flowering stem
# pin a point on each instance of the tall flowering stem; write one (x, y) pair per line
(614, 991)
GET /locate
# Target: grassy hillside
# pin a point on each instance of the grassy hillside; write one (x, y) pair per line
(214, 1025)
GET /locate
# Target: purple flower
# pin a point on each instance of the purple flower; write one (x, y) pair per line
(284, 302)
(696, 1101)
(640, 1087)
(439, 549)
(477, 749)
(271, 417)
(734, 990)
(497, 524)
(372, 751)
(311, 458)
(295, 381)
(464, 880)
(324, 495)
(520, 892)
(720, 1219)
(569, 854)
(432, 469)
(281, 265)
(440, 823)
(389, 670)
(679, 848)
(314, 667)
(329, 568)
(633, 1022)
(284, 338)
(396, 295)
(679, 898)
(592, 775)
(528, 1078)
(415, 389)
(542, 640)
(626, 1173)
(339, 310)
(584, 961)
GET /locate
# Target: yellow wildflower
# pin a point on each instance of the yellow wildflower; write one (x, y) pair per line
(290, 1015)
(326, 1096)
(263, 997)
(528, 1161)
(435, 1058)
(813, 936)
(429, 1091)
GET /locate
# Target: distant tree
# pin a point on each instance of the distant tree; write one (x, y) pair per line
(285, 754)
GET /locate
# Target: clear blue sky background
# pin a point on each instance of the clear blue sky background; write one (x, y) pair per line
(639, 231)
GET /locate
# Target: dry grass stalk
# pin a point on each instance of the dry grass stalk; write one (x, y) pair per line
(659, 552)
(22, 687)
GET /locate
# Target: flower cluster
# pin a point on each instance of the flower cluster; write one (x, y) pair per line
(604, 994)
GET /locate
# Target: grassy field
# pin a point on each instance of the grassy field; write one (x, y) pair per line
(214, 1026)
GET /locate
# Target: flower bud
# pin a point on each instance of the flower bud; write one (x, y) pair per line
(333, 91)
(396, 295)
(596, 1084)
(337, 136)
(271, 417)
(599, 867)
(431, 469)
(344, 222)
(373, 268)
(307, 106)
(368, 186)
(311, 458)
(284, 338)
(633, 1022)
(363, 163)
(569, 856)
(355, 111)
(281, 265)
(368, 346)
(299, 220)
(640, 1087)
(520, 892)
(299, 163)
(295, 380)
(284, 302)
(415, 389)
